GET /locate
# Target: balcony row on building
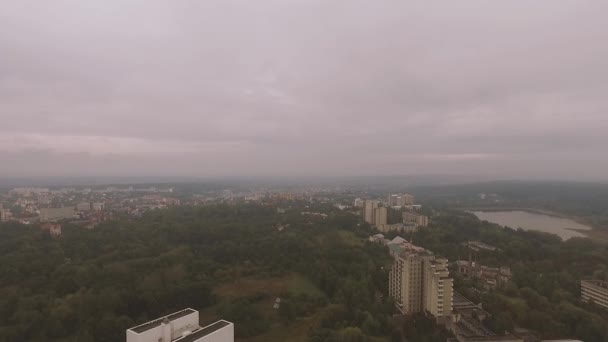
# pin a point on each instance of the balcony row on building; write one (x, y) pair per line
(595, 291)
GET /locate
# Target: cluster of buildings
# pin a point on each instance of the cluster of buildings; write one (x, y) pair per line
(85, 205)
(419, 281)
(490, 277)
(181, 326)
(375, 213)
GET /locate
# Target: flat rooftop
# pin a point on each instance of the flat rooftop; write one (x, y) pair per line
(203, 332)
(157, 322)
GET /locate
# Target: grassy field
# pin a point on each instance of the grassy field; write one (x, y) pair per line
(269, 289)
(296, 331)
(341, 237)
(299, 284)
(250, 286)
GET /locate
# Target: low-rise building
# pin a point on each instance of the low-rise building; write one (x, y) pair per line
(56, 214)
(480, 246)
(595, 291)
(54, 229)
(5, 215)
(492, 277)
(418, 219)
(181, 326)
(84, 206)
(400, 200)
(98, 206)
(467, 323)
(378, 238)
(406, 227)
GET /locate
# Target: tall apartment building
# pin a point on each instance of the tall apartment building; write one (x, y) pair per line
(405, 282)
(438, 287)
(418, 281)
(181, 326)
(380, 216)
(374, 214)
(369, 207)
(595, 291)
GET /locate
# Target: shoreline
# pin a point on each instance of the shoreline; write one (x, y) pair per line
(595, 233)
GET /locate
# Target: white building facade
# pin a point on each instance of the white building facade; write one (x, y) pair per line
(181, 326)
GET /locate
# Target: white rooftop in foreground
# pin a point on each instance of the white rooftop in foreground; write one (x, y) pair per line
(181, 326)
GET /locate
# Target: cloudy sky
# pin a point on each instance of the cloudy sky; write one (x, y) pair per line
(505, 89)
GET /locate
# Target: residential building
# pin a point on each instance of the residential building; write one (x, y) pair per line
(28, 191)
(85, 206)
(376, 238)
(56, 214)
(405, 282)
(368, 211)
(400, 200)
(479, 246)
(374, 214)
(407, 199)
(54, 229)
(422, 221)
(359, 203)
(595, 291)
(467, 323)
(98, 206)
(5, 215)
(380, 216)
(417, 219)
(181, 326)
(438, 286)
(418, 281)
(491, 277)
(394, 200)
(407, 227)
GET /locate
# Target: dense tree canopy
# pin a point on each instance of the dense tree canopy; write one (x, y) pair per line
(93, 284)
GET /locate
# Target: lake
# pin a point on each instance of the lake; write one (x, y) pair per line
(532, 221)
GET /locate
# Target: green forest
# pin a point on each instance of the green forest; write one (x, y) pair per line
(91, 285)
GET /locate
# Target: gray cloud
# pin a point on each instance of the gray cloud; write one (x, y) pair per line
(304, 87)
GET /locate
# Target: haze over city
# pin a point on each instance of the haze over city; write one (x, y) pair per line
(510, 89)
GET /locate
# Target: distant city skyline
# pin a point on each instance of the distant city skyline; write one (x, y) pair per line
(304, 88)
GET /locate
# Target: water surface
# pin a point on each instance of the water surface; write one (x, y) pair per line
(534, 221)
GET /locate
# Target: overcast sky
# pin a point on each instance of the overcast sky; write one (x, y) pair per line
(505, 89)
